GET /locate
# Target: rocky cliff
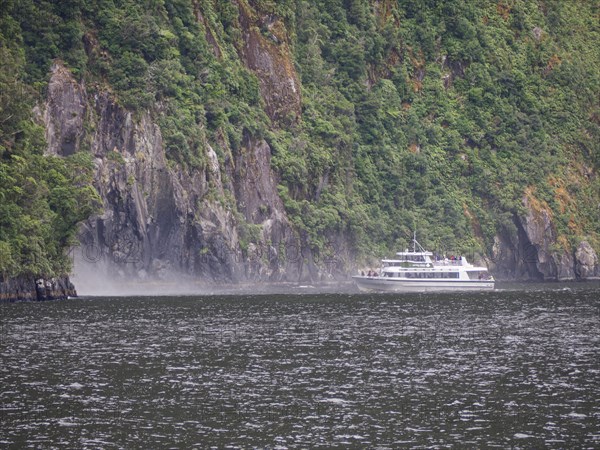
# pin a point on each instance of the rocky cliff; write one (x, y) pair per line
(271, 141)
(532, 250)
(159, 221)
(226, 221)
(40, 289)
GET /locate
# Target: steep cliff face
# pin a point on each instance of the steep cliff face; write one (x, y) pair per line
(273, 141)
(159, 220)
(37, 289)
(266, 52)
(534, 253)
(65, 113)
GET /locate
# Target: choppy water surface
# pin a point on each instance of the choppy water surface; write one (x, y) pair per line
(503, 369)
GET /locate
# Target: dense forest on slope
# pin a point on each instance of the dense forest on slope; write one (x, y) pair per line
(451, 117)
(41, 198)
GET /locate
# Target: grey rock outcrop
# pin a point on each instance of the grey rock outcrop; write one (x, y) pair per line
(270, 58)
(158, 219)
(536, 233)
(65, 112)
(586, 261)
(530, 250)
(31, 289)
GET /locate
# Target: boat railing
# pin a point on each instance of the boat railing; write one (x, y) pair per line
(450, 262)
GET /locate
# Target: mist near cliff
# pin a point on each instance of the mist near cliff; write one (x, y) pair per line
(102, 279)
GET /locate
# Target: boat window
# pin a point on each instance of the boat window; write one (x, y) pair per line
(415, 258)
(435, 275)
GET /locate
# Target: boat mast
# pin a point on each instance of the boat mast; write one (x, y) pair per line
(416, 243)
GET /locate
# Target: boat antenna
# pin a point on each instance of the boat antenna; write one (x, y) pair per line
(416, 243)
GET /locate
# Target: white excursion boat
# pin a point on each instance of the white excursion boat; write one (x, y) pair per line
(420, 271)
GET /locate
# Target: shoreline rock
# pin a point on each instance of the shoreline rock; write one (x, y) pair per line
(36, 289)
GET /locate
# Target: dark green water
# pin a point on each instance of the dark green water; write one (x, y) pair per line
(513, 368)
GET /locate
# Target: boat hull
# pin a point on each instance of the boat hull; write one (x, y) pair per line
(388, 284)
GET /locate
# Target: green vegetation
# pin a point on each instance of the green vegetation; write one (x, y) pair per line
(442, 115)
(41, 198)
(438, 115)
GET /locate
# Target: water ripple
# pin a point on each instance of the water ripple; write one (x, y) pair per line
(503, 369)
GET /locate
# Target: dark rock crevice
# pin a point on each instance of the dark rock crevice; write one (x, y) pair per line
(162, 221)
(528, 263)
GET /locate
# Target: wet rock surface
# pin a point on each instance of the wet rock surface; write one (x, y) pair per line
(586, 261)
(159, 220)
(532, 250)
(36, 289)
(225, 222)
